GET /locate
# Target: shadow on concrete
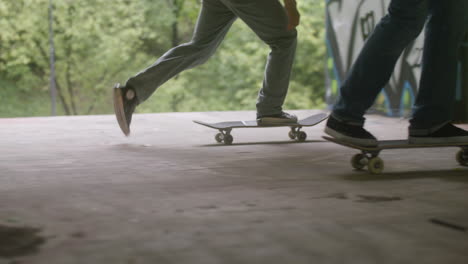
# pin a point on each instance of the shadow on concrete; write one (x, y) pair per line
(19, 241)
(458, 175)
(261, 143)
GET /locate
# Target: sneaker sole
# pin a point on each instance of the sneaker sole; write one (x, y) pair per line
(266, 121)
(119, 110)
(354, 141)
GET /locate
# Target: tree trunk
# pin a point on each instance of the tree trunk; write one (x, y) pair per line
(176, 8)
(68, 71)
(175, 33)
(53, 88)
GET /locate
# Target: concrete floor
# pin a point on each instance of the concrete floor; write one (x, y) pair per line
(169, 194)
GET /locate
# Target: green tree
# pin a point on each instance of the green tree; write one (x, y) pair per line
(97, 46)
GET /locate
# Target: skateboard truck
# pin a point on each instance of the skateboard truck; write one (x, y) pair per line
(297, 134)
(376, 165)
(369, 156)
(370, 159)
(225, 136)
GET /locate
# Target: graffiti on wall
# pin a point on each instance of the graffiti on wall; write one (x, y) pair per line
(349, 24)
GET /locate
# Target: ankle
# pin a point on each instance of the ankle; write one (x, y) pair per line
(130, 94)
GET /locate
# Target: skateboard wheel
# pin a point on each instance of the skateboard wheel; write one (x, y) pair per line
(359, 161)
(462, 158)
(292, 134)
(219, 137)
(228, 139)
(376, 165)
(301, 136)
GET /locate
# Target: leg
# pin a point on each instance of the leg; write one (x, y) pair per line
(377, 59)
(444, 32)
(373, 68)
(268, 19)
(213, 23)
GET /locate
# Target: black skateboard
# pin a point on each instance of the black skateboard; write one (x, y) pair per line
(369, 156)
(295, 133)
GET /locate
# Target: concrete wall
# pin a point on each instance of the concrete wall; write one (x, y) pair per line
(349, 23)
(348, 26)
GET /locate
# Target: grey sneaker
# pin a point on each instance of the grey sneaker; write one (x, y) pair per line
(125, 102)
(282, 118)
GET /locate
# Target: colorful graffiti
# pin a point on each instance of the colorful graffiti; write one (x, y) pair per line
(349, 23)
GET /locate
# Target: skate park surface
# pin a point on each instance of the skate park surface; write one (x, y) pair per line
(75, 190)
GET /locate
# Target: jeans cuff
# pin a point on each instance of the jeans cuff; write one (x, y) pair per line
(348, 121)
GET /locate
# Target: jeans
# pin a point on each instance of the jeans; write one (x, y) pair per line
(267, 18)
(446, 23)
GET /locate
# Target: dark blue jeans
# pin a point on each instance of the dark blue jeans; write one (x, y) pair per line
(445, 27)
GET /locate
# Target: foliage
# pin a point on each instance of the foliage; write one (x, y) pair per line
(97, 46)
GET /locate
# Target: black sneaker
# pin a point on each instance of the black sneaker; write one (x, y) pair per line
(448, 134)
(354, 134)
(125, 102)
(278, 119)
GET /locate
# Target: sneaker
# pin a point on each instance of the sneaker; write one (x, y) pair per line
(125, 102)
(278, 119)
(448, 134)
(354, 134)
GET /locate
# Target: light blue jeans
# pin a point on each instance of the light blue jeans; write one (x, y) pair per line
(446, 23)
(267, 18)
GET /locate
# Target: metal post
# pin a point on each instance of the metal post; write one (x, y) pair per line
(53, 86)
(465, 75)
(461, 103)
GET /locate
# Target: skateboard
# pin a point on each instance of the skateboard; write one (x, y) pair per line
(369, 156)
(225, 128)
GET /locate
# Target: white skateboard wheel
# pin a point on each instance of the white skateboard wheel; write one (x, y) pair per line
(301, 136)
(376, 165)
(219, 137)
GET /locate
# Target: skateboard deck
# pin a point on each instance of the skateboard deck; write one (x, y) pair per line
(295, 133)
(369, 156)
